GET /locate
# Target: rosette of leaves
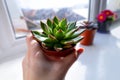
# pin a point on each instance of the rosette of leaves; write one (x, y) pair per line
(58, 34)
(89, 25)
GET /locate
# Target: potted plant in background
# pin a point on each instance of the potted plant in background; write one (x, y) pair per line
(58, 38)
(104, 20)
(89, 33)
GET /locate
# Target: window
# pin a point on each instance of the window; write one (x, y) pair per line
(26, 14)
(114, 6)
(13, 18)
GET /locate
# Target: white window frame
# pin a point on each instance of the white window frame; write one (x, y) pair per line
(9, 45)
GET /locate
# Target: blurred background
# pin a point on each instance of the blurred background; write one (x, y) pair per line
(19, 16)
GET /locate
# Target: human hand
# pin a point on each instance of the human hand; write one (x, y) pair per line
(37, 66)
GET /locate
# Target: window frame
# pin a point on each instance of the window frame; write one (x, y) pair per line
(8, 43)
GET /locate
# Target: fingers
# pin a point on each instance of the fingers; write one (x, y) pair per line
(70, 59)
(33, 46)
(79, 51)
(29, 38)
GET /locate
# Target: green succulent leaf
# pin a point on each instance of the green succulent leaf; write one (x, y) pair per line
(67, 46)
(44, 27)
(50, 31)
(72, 41)
(58, 47)
(78, 39)
(76, 34)
(48, 45)
(63, 24)
(35, 32)
(54, 25)
(43, 34)
(56, 20)
(48, 40)
(47, 30)
(68, 34)
(59, 34)
(71, 26)
(55, 30)
(38, 36)
(53, 38)
(49, 23)
(67, 42)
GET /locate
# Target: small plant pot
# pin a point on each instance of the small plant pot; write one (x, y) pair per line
(88, 37)
(104, 27)
(54, 53)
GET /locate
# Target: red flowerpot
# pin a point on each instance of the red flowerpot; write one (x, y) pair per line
(62, 53)
(88, 37)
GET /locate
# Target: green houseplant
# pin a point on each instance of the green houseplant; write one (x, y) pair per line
(89, 33)
(58, 37)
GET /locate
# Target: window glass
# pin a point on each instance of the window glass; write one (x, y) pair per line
(113, 5)
(26, 14)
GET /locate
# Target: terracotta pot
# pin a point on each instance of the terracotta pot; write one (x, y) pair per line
(62, 53)
(88, 37)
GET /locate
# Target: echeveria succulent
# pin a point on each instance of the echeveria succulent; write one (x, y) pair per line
(58, 34)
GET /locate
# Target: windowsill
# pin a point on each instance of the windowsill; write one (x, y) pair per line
(101, 60)
(115, 29)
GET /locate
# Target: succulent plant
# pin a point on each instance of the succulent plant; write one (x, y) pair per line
(58, 35)
(89, 25)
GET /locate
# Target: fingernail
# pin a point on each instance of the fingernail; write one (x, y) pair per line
(80, 50)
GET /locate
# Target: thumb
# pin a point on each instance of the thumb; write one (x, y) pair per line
(79, 51)
(70, 59)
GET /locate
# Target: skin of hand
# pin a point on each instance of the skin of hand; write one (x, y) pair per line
(37, 66)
